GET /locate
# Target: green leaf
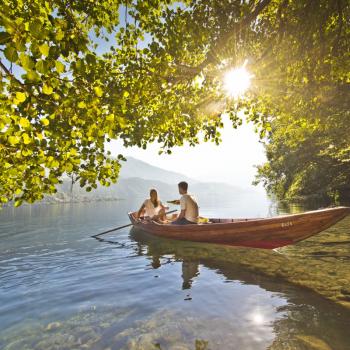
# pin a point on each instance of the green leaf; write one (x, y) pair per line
(73, 152)
(45, 121)
(26, 138)
(21, 96)
(44, 49)
(55, 164)
(14, 140)
(59, 35)
(26, 62)
(122, 122)
(4, 38)
(27, 152)
(20, 44)
(11, 54)
(81, 104)
(41, 67)
(60, 68)
(35, 29)
(33, 76)
(68, 167)
(110, 117)
(24, 123)
(91, 59)
(18, 202)
(80, 66)
(47, 90)
(98, 91)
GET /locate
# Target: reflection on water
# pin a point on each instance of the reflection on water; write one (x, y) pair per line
(190, 269)
(61, 289)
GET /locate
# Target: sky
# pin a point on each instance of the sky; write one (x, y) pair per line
(231, 162)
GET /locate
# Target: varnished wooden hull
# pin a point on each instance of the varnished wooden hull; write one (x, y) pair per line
(259, 233)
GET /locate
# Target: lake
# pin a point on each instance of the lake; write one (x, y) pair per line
(62, 289)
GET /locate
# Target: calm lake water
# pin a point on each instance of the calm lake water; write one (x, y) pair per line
(62, 289)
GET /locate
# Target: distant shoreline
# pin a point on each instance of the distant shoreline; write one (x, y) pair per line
(55, 201)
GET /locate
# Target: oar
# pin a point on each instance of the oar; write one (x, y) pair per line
(120, 227)
(113, 229)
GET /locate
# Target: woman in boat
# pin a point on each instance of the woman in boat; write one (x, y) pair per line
(152, 207)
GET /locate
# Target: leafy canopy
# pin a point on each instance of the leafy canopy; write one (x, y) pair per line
(161, 79)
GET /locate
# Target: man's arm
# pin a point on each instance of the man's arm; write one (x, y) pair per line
(175, 201)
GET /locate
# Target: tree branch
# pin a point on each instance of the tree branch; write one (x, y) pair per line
(8, 72)
(211, 56)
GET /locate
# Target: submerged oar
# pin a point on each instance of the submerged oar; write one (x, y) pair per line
(120, 227)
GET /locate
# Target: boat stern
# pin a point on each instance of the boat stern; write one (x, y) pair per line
(131, 216)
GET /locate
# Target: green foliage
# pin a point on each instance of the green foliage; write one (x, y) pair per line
(61, 100)
(309, 142)
(308, 159)
(44, 135)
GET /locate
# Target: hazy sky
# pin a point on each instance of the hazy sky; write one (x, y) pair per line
(231, 162)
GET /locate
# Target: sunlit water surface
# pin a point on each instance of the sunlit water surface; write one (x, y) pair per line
(62, 289)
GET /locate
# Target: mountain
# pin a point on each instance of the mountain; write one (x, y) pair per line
(137, 168)
(137, 189)
(135, 181)
(134, 171)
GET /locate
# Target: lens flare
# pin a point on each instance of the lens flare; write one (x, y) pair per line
(237, 82)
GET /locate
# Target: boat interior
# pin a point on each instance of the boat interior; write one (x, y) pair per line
(203, 220)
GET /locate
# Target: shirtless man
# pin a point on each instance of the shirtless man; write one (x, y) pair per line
(189, 207)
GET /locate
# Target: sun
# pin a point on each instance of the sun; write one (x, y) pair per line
(237, 81)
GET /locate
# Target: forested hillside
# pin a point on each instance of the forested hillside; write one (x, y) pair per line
(309, 157)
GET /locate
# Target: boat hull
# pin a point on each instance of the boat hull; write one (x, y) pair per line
(266, 233)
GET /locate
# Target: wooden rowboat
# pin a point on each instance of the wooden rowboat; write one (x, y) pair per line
(266, 233)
